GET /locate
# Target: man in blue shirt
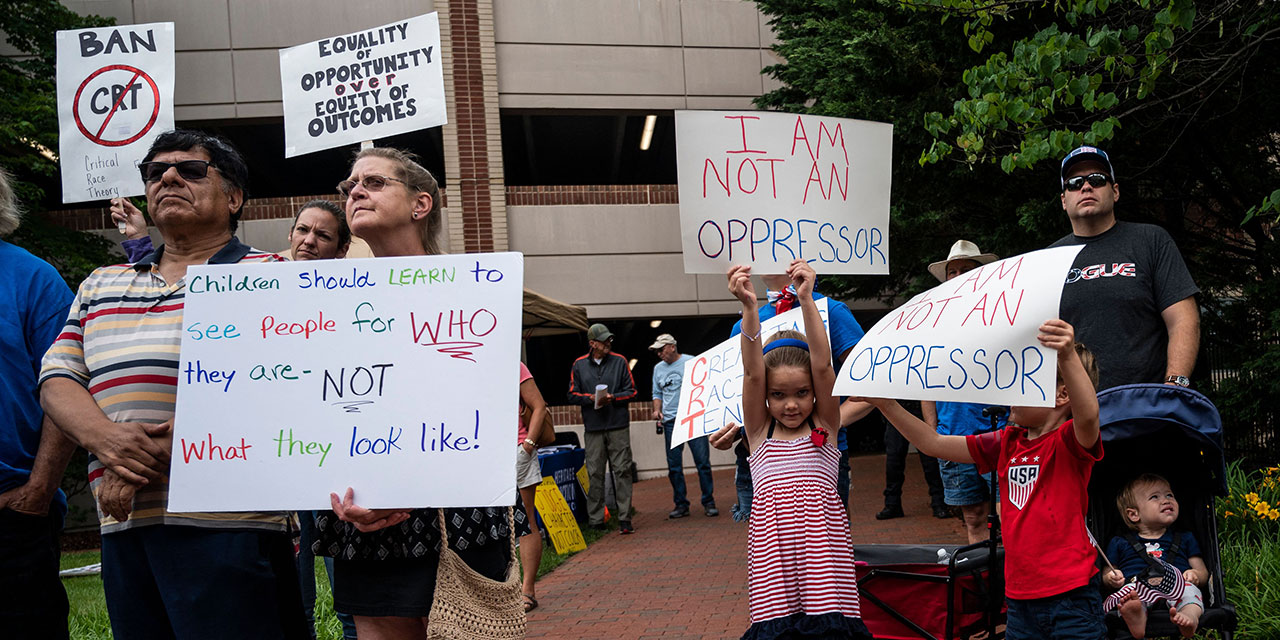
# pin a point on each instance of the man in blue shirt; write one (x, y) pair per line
(845, 334)
(668, 376)
(34, 302)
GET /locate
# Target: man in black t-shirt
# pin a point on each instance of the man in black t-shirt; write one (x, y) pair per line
(1129, 294)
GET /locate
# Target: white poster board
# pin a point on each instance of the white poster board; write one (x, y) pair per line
(397, 377)
(363, 86)
(970, 339)
(115, 95)
(764, 188)
(711, 393)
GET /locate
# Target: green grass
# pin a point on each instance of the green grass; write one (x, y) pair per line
(88, 619)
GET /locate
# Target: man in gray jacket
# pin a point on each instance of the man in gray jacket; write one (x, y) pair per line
(601, 383)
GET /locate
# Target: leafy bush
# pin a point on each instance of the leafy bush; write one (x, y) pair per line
(1249, 537)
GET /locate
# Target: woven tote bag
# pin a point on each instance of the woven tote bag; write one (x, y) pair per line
(469, 606)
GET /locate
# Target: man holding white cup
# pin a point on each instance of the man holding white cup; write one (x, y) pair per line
(601, 383)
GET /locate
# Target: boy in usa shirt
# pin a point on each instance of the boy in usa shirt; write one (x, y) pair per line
(1044, 459)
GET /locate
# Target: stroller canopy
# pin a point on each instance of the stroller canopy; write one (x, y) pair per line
(1139, 410)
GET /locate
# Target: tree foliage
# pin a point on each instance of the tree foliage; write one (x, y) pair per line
(29, 130)
(987, 96)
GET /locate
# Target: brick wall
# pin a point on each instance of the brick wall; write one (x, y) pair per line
(569, 414)
(472, 139)
(594, 194)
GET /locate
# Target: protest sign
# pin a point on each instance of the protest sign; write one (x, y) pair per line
(397, 377)
(115, 95)
(970, 339)
(362, 86)
(711, 395)
(557, 518)
(765, 188)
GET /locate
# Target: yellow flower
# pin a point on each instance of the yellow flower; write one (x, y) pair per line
(1274, 515)
(1227, 514)
(1251, 497)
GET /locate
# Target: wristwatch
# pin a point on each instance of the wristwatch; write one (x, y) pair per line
(1181, 381)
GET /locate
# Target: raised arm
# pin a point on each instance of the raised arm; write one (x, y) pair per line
(754, 414)
(824, 376)
(924, 437)
(1060, 336)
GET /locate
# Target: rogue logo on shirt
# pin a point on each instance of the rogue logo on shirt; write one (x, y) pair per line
(1022, 481)
(1093, 272)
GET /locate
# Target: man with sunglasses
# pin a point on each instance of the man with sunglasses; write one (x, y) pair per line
(110, 383)
(1129, 294)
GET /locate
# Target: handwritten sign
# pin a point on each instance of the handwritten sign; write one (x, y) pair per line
(766, 188)
(395, 376)
(558, 518)
(711, 394)
(970, 339)
(115, 95)
(363, 86)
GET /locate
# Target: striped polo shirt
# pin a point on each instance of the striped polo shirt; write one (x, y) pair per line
(121, 342)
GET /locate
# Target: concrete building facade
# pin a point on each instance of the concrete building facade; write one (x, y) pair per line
(502, 58)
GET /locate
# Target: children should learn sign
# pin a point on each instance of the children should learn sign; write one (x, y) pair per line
(362, 86)
(711, 394)
(765, 188)
(115, 95)
(970, 339)
(397, 377)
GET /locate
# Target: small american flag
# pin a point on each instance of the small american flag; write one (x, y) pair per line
(1168, 584)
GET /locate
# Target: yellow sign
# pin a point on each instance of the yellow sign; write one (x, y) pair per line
(584, 479)
(557, 518)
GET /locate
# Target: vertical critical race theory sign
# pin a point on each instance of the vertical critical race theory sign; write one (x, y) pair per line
(362, 86)
(115, 95)
(398, 377)
(765, 188)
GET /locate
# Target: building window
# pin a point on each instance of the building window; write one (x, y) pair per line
(587, 149)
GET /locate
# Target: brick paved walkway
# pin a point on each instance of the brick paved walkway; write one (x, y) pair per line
(638, 586)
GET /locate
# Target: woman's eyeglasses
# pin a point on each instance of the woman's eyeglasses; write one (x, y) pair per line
(371, 182)
(1095, 180)
(187, 169)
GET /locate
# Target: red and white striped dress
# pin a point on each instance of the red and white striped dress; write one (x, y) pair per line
(800, 557)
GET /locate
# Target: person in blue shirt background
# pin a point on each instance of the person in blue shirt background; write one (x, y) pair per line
(34, 302)
(668, 377)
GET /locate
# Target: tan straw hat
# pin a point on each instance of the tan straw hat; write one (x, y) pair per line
(961, 250)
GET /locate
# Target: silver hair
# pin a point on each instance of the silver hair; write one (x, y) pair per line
(10, 211)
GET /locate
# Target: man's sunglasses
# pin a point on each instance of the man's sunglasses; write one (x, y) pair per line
(371, 182)
(1095, 180)
(187, 169)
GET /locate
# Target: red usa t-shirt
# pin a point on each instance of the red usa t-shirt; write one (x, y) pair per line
(1044, 491)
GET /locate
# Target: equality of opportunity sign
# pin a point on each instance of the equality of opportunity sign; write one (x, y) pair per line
(970, 339)
(711, 395)
(363, 86)
(397, 377)
(115, 95)
(764, 188)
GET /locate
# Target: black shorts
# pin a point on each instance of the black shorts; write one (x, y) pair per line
(404, 587)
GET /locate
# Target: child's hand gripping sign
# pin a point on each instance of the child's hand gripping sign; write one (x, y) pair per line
(970, 339)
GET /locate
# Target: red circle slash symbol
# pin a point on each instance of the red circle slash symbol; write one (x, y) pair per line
(97, 137)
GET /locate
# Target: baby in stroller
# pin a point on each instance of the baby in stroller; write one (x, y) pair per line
(1144, 554)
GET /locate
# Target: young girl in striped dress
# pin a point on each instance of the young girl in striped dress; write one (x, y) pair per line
(800, 560)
